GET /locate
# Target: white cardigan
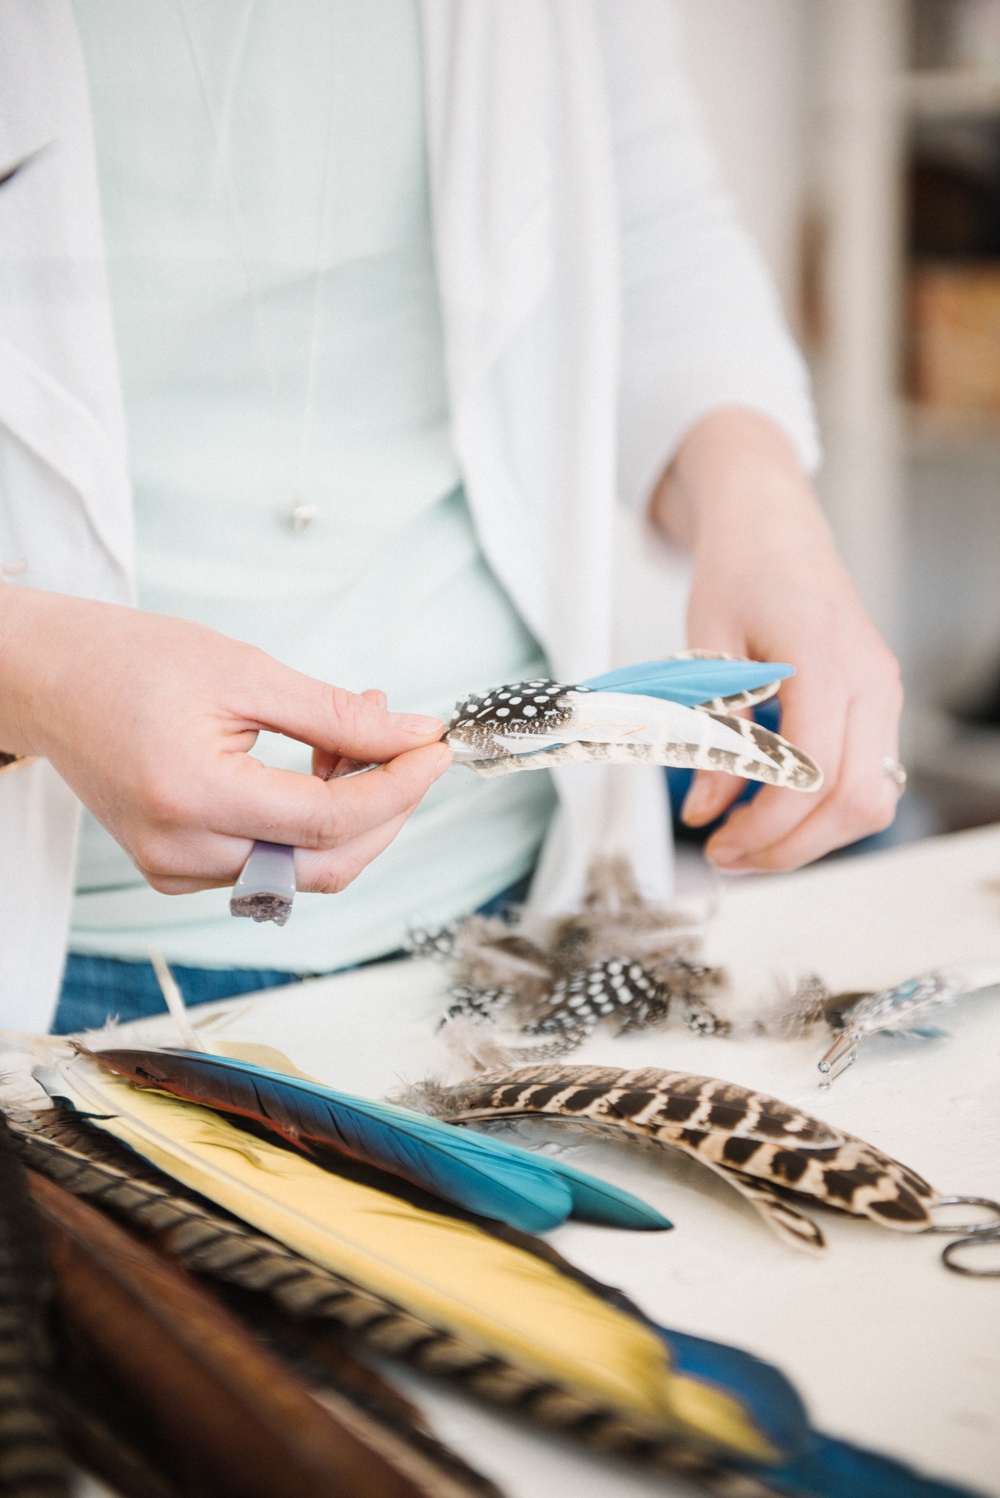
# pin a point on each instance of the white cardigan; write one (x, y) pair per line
(598, 298)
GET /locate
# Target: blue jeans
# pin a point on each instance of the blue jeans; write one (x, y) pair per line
(98, 989)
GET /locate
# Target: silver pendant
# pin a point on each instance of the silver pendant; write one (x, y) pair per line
(300, 517)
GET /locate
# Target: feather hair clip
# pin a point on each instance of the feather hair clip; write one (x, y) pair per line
(901, 1010)
(764, 1148)
(678, 711)
(802, 1462)
(485, 1175)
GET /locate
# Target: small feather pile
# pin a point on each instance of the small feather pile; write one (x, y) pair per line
(764, 1148)
(545, 986)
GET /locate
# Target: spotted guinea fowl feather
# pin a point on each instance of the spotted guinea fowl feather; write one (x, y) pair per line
(723, 1125)
(498, 1180)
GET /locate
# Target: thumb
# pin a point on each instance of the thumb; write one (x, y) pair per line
(334, 720)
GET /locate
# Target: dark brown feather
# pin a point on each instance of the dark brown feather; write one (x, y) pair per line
(236, 1422)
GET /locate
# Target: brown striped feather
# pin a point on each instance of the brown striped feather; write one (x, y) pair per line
(720, 1123)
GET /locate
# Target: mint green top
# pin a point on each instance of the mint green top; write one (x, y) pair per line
(254, 386)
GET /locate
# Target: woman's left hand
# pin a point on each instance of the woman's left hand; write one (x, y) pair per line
(768, 584)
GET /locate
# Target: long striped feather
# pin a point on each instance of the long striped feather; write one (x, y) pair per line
(497, 1180)
(726, 1127)
(32, 1464)
(814, 1466)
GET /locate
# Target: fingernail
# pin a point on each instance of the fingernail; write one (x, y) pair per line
(417, 723)
(723, 855)
(697, 806)
(444, 760)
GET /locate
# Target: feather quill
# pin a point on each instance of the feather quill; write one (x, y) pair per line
(237, 1423)
(32, 1464)
(497, 1180)
(814, 1466)
(727, 1127)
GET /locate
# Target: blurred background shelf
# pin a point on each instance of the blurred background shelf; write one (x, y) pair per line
(944, 93)
(862, 138)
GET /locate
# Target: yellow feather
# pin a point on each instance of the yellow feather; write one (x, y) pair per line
(500, 1298)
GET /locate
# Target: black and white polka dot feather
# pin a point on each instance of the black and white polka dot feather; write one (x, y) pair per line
(615, 988)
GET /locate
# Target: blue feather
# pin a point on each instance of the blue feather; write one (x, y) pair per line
(595, 1200)
(474, 1171)
(771, 1401)
(815, 1465)
(690, 681)
(838, 1469)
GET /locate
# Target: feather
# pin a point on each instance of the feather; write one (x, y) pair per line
(719, 1123)
(533, 724)
(32, 1464)
(218, 1245)
(498, 1181)
(901, 1010)
(694, 679)
(234, 1420)
(620, 962)
(600, 1365)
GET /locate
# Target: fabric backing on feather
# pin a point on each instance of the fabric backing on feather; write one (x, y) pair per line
(541, 987)
(733, 1130)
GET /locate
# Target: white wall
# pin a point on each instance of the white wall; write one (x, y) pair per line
(750, 62)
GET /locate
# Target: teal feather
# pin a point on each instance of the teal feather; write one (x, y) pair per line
(484, 1175)
(690, 682)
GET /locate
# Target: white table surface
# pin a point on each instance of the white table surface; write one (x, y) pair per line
(889, 1349)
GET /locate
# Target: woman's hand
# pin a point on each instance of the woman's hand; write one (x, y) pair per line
(150, 720)
(768, 584)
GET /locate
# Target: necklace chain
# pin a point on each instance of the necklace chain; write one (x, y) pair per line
(299, 514)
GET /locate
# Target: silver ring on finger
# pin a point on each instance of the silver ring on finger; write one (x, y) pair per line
(896, 773)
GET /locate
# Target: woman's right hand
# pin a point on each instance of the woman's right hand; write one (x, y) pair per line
(150, 720)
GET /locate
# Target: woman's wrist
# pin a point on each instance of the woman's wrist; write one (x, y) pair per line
(736, 472)
(36, 632)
